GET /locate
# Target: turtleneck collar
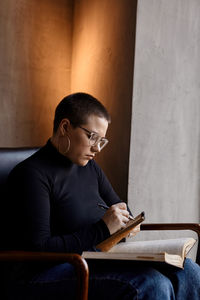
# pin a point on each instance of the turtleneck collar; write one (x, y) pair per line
(50, 150)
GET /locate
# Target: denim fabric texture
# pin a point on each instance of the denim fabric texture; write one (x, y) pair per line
(116, 280)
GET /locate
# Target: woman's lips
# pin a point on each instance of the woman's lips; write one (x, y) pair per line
(90, 156)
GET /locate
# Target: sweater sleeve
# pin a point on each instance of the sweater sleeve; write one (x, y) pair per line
(105, 188)
(30, 215)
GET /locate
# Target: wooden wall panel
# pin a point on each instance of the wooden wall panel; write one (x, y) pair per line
(102, 64)
(35, 66)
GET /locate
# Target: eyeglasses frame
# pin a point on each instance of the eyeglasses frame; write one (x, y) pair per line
(98, 141)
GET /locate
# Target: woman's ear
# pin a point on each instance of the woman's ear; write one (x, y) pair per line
(64, 126)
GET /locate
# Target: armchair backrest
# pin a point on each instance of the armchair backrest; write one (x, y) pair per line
(9, 158)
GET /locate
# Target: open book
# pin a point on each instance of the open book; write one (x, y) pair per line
(171, 251)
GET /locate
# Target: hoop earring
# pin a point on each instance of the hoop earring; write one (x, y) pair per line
(68, 147)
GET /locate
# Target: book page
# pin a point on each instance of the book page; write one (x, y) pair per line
(170, 246)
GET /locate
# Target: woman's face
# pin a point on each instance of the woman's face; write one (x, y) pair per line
(80, 150)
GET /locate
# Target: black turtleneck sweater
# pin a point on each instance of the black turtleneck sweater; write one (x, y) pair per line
(54, 203)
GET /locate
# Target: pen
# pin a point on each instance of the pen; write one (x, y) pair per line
(103, 206)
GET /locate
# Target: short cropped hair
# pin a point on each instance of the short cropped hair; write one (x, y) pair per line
(77, 108)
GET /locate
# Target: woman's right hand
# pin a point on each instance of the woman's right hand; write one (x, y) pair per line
(116, 217)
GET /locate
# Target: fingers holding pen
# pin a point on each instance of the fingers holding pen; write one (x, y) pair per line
(116, 217)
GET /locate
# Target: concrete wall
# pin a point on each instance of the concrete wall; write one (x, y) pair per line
(35, 67)
(102, 64)
(165, 142)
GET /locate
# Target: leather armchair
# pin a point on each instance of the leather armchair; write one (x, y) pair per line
(9, 158)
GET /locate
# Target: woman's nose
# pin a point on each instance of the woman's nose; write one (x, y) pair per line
(96, 148)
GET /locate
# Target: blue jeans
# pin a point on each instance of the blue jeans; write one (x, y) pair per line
(116, 280)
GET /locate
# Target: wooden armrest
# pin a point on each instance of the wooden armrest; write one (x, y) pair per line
(175, 226)
(172, 226)
(76, 260)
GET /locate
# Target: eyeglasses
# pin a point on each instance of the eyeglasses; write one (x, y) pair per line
(95, 139)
